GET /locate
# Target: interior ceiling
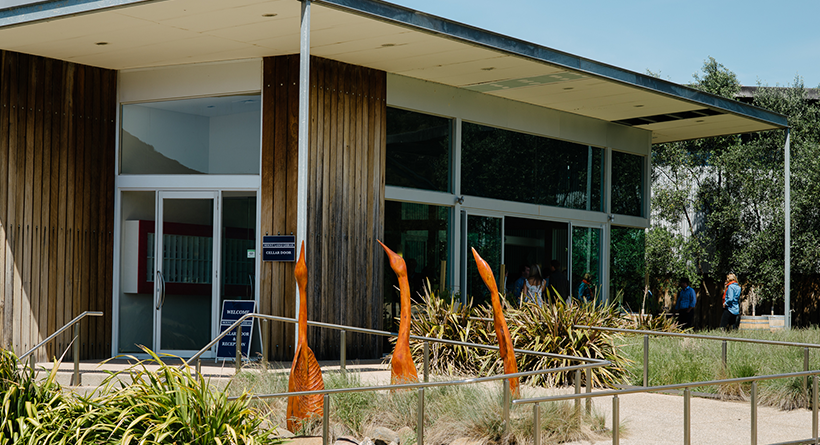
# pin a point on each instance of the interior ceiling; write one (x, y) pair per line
(170, 32)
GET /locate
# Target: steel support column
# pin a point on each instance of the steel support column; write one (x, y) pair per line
(304, 136)
(788, 220)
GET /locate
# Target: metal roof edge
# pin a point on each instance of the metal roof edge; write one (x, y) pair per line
(48, 10)
(411, 18)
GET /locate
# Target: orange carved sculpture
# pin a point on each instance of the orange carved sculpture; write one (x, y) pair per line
(305, 373)
(505, 347)
(402, 368)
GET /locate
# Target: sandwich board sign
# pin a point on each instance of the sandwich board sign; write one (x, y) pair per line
(233, 310)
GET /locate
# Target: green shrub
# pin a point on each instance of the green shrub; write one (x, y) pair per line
(22, 395)
(547, 328)
(170, 405)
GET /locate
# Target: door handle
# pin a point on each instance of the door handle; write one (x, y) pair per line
(250, 282)
(161, 281)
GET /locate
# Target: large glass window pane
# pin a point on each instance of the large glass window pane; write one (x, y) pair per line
(586, 263)
(418, 150)
(136, 311)
(211, 135)
(418, 232)
(626, 275)
(627, 184)
(483, 234)
(238, 279)
(512, 166)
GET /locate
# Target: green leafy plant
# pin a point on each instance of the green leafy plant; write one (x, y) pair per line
(138, 405)
(22, 396)
(547, 328)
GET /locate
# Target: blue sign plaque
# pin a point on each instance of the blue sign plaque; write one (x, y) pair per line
(233, 310)
(279, 248)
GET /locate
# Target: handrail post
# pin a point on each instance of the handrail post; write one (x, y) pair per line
(615, 421)
(426, 361)
(578, 391)
(645, 360)
(806, 378)
(814, 408)
(199, 368)
(754, 412)
(238, 348)
(76, 352)
(536, 422)
(326, 420)
(589, 390)
(723, 353)
(420, 421)
(506, 402)
(687, 417)
(343, 350)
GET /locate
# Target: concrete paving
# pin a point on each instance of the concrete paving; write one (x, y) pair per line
(645, 419)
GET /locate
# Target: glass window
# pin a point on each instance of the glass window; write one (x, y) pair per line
(627, 184)
(418, 150)
(512, 166)
(586, 263)
(626, 275)
(483, 234)
(417, 232)
(211, 135)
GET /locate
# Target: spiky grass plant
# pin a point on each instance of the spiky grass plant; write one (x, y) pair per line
(22, 396)
(138, 405)
(547, 328)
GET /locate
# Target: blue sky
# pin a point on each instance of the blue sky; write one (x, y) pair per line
(760, 41)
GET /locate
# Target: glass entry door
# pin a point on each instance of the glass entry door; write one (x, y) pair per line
(185, 257)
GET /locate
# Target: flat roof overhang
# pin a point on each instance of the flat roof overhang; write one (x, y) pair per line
(134, 34)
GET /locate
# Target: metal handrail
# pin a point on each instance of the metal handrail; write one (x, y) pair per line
(706, 337)
(686, 405)
(647, 333)
(343, 328)
(75, 341)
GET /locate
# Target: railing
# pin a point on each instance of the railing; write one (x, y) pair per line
(75, 342)
(588, 366)
(805, 346)
(686, 404)
(343, 347)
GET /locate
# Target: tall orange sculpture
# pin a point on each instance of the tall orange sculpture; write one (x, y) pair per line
(305, 373)
(505, 347)
(402, 368)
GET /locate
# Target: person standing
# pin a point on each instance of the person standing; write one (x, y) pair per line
(534, 287)
(521, 281)
(731, 299)
(685, 305)
(585, 289)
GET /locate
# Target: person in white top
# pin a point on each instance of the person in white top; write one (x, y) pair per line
(533, 290)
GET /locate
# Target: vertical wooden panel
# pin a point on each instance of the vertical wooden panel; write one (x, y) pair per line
(19, 186)
(57, 199)
(266, 195)
(5, 311)
(37, 195)
(58, 71)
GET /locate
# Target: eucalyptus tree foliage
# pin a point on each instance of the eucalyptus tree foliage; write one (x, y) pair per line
(718, 203)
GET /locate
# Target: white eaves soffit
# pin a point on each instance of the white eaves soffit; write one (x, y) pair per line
(372, 33)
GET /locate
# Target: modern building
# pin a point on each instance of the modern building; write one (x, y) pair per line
(193, 128)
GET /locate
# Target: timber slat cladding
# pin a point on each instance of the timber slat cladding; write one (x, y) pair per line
(57, 134)
(345, 190)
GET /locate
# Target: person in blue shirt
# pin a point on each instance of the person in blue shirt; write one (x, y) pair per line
(519, 283)
(685, 305)
(731, 300)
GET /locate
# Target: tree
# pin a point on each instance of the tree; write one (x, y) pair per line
(728, 194)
